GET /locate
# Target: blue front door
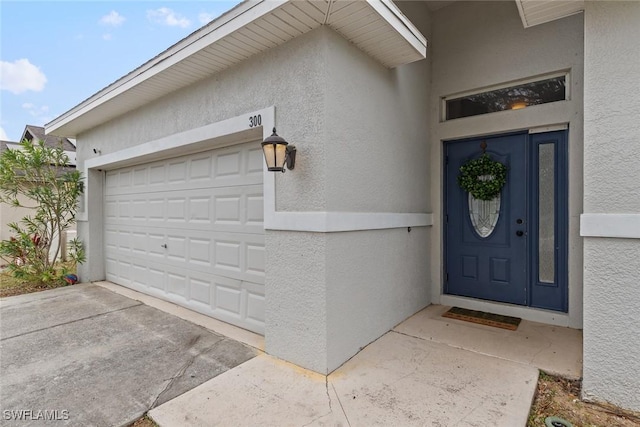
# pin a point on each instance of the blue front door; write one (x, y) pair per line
(511, 249)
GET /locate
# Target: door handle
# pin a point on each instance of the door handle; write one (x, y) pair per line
(164, 245)
(519, 233)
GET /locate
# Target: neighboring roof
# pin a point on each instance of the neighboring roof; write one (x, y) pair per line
(535, 12)
(4, 145)
(51, 141)
(375, 26)
(36, 133)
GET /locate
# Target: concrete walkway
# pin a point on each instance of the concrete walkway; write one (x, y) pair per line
(428, 371)
(90, 357)
(104, 358)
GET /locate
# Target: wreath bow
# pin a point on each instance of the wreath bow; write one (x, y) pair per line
(483, 178)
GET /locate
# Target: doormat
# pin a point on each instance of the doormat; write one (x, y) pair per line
(489, 319)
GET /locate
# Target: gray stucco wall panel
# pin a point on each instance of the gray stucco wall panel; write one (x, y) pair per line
(375, 280)
(295, 297)
(291, 77)
(377, 132)
(484, 43)
(612, 316)
(612, 109)
(612, 156)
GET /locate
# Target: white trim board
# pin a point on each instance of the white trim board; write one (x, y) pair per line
(237, 130)
(621, 226)
(331, 222)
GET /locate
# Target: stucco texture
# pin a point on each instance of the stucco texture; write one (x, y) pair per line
(290, 76)
(612, 156)
(612, 107)
(376, 129)
(612, 317)
(359, 284)
(375, 280)
(295, 298)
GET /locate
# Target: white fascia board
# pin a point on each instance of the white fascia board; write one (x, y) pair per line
(391, 14)
(180, 52)
(523, 15)
(532, 18)
(620, 226)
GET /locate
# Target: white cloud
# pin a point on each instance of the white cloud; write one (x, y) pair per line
(20, 76)
(107, 36)
(41, 113)
(166, 16)
(113, 18)
(205, 17)
(3, 135)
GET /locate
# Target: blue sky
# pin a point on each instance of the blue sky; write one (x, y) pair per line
(55, 54)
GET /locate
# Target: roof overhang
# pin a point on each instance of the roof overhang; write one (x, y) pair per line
(375, 26)
(535, 12)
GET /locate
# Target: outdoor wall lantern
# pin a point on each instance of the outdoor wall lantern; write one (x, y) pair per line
(277, 152)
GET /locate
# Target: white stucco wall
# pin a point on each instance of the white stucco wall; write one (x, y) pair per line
(612, 173)
(289, 77)
(305, 79)
(9, 214)
(480, 44)
(376, 151)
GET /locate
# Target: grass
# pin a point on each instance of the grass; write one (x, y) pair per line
(11, 286)
(560, 397)
(144, 422)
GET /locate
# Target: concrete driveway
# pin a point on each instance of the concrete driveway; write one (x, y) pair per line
(84, 355)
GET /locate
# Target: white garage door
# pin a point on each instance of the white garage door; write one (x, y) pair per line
(190, 230)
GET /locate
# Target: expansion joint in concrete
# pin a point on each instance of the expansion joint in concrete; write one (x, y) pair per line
(70, 322)
(341, 407)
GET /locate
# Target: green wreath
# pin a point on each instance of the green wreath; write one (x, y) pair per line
(482, 189)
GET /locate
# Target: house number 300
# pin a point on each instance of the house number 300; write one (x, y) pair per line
(255, 121)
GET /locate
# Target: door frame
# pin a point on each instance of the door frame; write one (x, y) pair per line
(561, 223)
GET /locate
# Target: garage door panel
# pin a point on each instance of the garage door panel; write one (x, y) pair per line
(235, 255)
(200, 290)
(255, 301)
(176, 209)
(255, 161)
(232, 166)
(235, 301)
(190, 230)
(177, 285)
(235, 209)
(255, 255)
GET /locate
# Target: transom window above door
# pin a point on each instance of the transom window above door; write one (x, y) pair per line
(510, 96)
